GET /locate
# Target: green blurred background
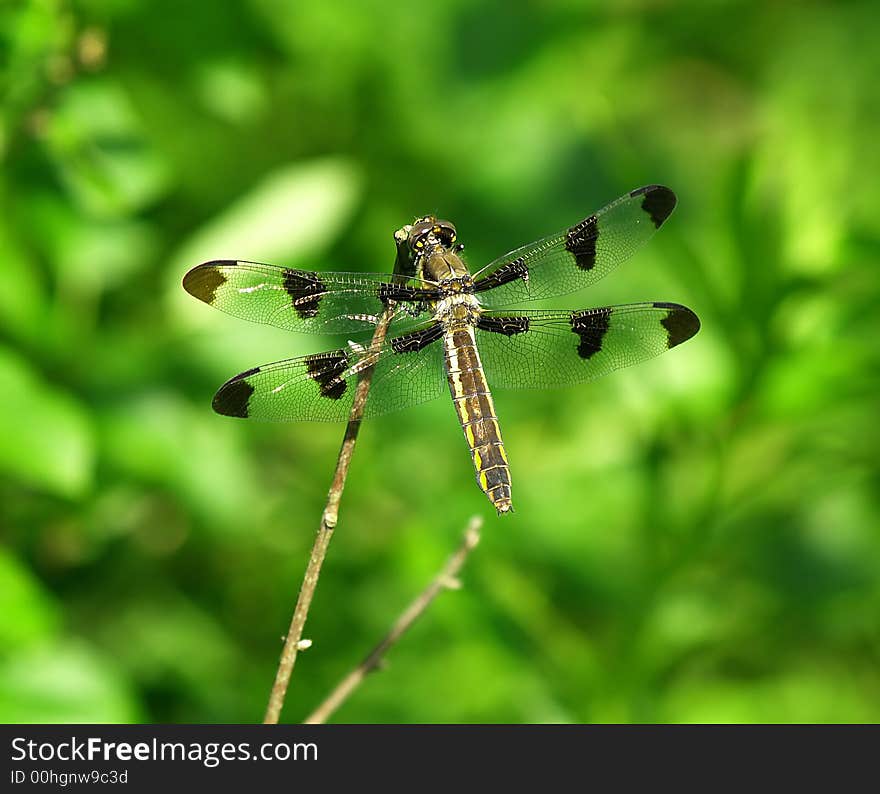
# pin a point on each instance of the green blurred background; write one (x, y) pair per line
(696, 539)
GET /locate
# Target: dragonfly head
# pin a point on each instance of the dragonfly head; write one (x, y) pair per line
(420, 242)
(428, 233)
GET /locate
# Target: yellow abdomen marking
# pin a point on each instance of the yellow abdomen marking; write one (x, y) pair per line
(476, 412)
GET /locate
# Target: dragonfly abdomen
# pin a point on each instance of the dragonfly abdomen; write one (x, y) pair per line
(476, 412)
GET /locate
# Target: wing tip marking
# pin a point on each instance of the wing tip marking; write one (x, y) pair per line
(233, 397)
(680, 322)
(658, 202)
(204, 280)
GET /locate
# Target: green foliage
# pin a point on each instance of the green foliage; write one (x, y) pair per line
(695, 539)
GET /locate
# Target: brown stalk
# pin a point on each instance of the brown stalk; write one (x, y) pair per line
(293, 642)
(445, 579)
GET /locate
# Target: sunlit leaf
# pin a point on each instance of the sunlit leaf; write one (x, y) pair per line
(22, 302)
(292, 213)
(66, 683)
(101, 152)
(47, 434)
(162, 441)
(28, 613)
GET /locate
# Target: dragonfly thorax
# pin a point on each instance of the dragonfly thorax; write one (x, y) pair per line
(460, 309)
(444, 267)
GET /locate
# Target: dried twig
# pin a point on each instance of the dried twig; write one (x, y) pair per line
(294, 642)
(446, 579)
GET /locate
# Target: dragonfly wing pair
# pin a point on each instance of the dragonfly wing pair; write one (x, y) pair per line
(449, 326)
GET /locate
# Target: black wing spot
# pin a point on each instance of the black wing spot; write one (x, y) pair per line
(517, 269)
(591, 327)
(581, 243)
(659, 202)
(305, 290)
(232, 397)
(416, 340)
(680, 323)
(326, 370)
(202, 282)
(402, 292)
(503, 325)
(396, 292)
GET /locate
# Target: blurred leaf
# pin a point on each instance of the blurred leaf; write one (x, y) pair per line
(232, 90)
(63, 683)
(89, 255)
(27, 612)
(33, 37)
(822, 695)
(165, 638)
(101, 151)
(47, 435)
(189, 451)
(22, 300)
(292, 213)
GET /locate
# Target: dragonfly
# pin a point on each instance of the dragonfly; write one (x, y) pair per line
(448, 327)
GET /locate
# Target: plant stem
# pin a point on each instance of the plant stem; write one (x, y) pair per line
(445, 579)
(292, 643)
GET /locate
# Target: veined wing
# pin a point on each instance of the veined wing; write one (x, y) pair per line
(577, 256)
(301, 300)
(543, 349)
(409, 369)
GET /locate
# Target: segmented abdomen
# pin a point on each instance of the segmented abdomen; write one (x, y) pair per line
(476, 412)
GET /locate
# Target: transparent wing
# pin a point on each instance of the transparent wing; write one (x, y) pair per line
(579, 255)
(545, 349)
(301, 300)
(321, 387)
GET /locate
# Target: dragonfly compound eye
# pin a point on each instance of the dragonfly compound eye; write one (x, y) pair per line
(430, 231)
